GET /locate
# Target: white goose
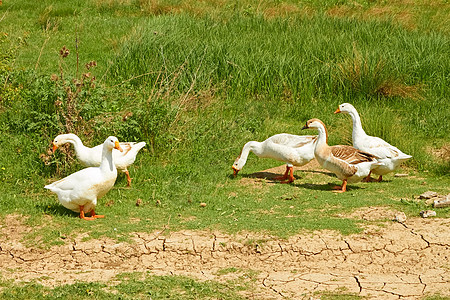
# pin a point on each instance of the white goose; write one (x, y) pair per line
(390, 156)
(92, 157)
(348, 163)
(79, 191)
(294, 150)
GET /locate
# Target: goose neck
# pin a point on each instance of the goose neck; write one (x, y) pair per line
(252, 146)
(107, 163)
(322, 138)
(76, 142)
(357, 126)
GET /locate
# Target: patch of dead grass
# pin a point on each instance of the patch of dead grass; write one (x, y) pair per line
(286, 10)
(404, 13)
(396, 88)
(372, 213)
(361, 73)
(442, 153)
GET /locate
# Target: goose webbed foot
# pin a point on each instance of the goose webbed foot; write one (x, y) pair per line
(341, 189)
(92, 217)
(289, 175)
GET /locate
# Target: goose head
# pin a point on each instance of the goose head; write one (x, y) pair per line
(237, 165)
(61, 140)
(112, 143)
(313, 123)
(345, 108)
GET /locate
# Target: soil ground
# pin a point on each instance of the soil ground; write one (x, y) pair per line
(395, 261)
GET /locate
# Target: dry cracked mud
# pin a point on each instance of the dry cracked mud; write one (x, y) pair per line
(395, 261)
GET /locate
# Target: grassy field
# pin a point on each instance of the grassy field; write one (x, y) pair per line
(196, 80)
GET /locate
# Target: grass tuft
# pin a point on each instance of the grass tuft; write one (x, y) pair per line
(370, 77)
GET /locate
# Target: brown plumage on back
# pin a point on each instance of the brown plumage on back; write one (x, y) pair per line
(126, 147)
(348, 163)
(351, 155)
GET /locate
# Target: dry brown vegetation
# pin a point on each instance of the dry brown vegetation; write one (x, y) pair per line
(361, 73)
(442, 153)
(403, 12)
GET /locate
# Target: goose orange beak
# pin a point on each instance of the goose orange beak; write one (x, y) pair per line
(235, 171)
(337, 111)
(117, 146)
(54, 147)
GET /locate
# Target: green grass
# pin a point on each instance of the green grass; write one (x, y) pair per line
(198, 79)
(210, 83)
(126, 286)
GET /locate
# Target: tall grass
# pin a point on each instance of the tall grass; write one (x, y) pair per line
(311, 63)
(303, 56)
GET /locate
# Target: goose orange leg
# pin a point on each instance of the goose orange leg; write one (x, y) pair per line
(82, 216)
(95, 216)
(288, 174)
(128, 178)
(341, 189)
(368, 178)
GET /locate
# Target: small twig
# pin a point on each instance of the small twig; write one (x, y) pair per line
(40, 52)
(76, 49)
(104, 74)
(4, 15)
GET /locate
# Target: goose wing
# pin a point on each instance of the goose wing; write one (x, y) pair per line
(292, 140)
(75, 180)
(382, 149)
(351, 155)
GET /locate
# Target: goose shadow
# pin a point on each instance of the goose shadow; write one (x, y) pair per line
(267, 176)
(323, 187)
(56, 210)
(272, 176)
(382, 181)
(319, 172)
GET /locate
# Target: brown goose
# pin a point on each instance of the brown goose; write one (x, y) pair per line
(348, 163)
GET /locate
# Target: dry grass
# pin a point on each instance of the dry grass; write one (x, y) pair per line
(395, 88)
(407, 14)
(362, 74)
(442, 153)
(286, 10)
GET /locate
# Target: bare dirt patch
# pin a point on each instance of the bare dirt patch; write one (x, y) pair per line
(406, 261)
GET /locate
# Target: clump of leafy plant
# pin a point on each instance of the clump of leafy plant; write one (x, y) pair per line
(72, 94)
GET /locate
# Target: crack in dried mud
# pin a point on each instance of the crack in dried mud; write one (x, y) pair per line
(394, 261)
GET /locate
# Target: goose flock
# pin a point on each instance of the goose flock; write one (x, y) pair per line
(80, 191)
(350, 164)
(92, 157)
